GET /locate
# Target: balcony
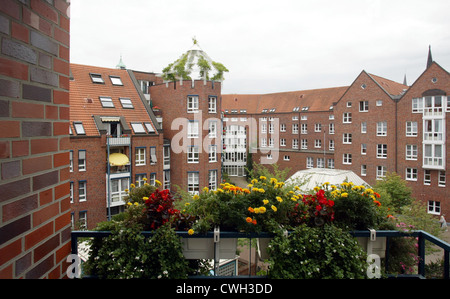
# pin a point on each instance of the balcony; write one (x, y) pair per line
(118, 141)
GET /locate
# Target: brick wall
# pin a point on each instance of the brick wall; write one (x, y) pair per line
(34, 114)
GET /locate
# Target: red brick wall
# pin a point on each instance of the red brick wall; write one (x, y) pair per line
(34, 113)
(172, 100)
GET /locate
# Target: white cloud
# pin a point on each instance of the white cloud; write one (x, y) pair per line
(268, 46)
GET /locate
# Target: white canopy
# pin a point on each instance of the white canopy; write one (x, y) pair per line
(309, 178)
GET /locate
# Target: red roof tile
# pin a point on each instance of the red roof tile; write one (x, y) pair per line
(84, 97)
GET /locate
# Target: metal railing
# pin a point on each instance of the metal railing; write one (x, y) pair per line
(421, 236)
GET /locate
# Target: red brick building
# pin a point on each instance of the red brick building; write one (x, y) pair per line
(371, 127)
(110, 120)
(34, 161)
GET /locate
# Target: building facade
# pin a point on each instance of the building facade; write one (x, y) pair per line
(372, 127)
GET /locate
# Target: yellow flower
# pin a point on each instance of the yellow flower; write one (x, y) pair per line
(325, 184)
(262, 178)
(145, 179)
(316, 189)
(186, 204)
(158, 183)
(345, 194)
(265, 201)
(297, 188)
(195, 197)
(256, 210)
(273, 181)
(249, 185)
(126, 190)
(145, 198)
(132, 185)
(129, 203)
(274, 208)
(191, 232)
(254, 181)
(262, 210)
(294, 199)
(279, 199)
(206, 189)
(136, 204)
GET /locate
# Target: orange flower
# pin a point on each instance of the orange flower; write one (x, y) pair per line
(251, 210)
(377, 203)
(249, 220)
(254, 221)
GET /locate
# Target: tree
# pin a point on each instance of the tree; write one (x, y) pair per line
(394, 191)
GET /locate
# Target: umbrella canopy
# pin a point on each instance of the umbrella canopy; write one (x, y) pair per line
(118, 159)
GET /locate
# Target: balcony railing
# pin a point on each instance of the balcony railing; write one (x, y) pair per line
(421, 236)
(118, 141)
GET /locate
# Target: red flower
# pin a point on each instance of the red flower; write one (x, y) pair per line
(318, 207)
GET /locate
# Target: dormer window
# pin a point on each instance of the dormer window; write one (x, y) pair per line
(79, 128)
(126, 103)
(97, 78)
(138, 128)
(106, 102)
(115, 80)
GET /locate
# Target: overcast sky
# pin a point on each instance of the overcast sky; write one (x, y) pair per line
(268, 46)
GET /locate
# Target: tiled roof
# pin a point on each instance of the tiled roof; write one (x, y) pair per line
(391, 87)
(314, 99)
(85, 102)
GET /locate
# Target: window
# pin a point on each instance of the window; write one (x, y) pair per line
(427, 177)
(295, 128)
(166, 156)
(140, 156)
(434, 207)
(79, 128)
(263, 128)
(149, 127)
(192, 104)
(71, 192)
(269, 156)
(433, 130)
(82, 160)
(263, 142)
(71, 161)
(317, 127)
(82, 190)
(441, 182)
(304, 143)
(82, 220)
(126, 103)
(113, 129)
(382, 151)
(283, 128)
(138, 128)
(115, 80)
(166, 182)
(152, 179)
(153, 159)
(347, 159)
(411, 152)
(381, 172)
(411, 129)
(303, 117)
(271, 128)
(212, 126)
(347, 138)
(283, 142)
(271, 142)
(433, 155)
(295, 143)
(364, 127)
(363, 149)
(411, 174)
(331, 163)
(140, 179)
(304, 129)
(379, 103)
(317, 143)
(331, 145)
(213, 153)
(320, 163)
(363, 170)
(193, 154)
(331, 129)
(286, 158)
(118, 187)
(212, 104)
(363, 106)
(347, 118)
(382, 128)
(193, 129)
(349, 104)
(106, 102)
(212, 179)
(309, 162)
(97, 78)
(193, 182)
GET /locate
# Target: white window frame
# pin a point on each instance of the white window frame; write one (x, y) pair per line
(192, 104)
(140, 156)
(283, 142)
(82, 191)
(363, 149)
(106, 102)
(115, 80)
(304, 128)
(363, 170)
(347, 138)
(304, 144)
(434, 207)
(194, 182)
(153, 159)
(309, 162)
(295, 143)
(193, 155)
(363, 106)
(411, 129)
(212, 179)
(295, 128)
(381, 172)
(212, 104)
(347, 118)
(442, 178)
(82, 163)
(126, 103)
(347, 159)
(427, 177)
(212, 155)
(411, 174)
(382, 128)
(138, 128)
(193, 129)
(317, 127)
(381, 151)
(317, 143)
(411, 152)
(283, 128)
(212, 128)
(79, 128)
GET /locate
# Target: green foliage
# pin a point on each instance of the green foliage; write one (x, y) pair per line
(325, 252)
(126, 253)
(394, 191)
(272, 171)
